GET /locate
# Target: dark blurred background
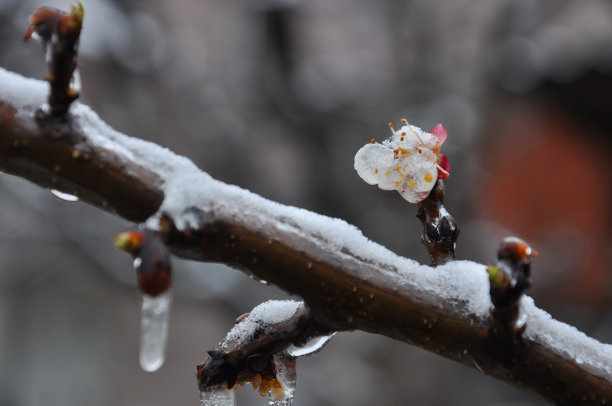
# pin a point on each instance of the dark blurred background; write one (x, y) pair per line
(276, 96)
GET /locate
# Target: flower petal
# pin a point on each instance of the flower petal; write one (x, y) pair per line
(439, 132)
(372, 160)
(412, 195)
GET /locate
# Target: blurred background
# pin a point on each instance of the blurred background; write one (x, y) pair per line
(276, 96)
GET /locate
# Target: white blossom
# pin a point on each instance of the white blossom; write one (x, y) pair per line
(409, 162)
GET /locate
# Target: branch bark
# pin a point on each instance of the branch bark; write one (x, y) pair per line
(347, 281)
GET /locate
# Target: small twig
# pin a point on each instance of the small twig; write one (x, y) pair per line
(249, 355)
(440, 230)
(60, 33)
(509, 280)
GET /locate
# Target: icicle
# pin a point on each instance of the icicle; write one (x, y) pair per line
(64, 196)
(286, 375)
(217, 397)
(313, 345)
(152, 265)
(154, 330)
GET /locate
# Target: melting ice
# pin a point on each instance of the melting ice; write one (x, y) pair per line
(64, 196)
(217, 397)
(310, 347)
(286, 375)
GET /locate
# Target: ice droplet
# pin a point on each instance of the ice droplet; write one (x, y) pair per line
(49, 48)
(217, 397)
(313, 345)
(522, 320)
(137, 263)
(64, 196)
(256, 279)
(286, 375)
(154, 330)
(75, 81)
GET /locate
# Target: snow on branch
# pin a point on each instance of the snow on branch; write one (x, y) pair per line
(347, 281)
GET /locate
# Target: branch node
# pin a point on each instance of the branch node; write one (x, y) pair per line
(151, 260)
(509, 279)
(440, 230)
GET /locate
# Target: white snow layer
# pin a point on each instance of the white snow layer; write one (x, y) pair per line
(567, 340)
(462, 283)
(265, 316)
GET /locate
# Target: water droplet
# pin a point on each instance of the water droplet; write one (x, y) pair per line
(49, 50)
(137, 263)
(64, 196)
(75, 81)
(154, 330)
(45, 108)
(313, 345)
(217, 397)
(477, 365)
(522, 319)
(579, 361)
(256, 279)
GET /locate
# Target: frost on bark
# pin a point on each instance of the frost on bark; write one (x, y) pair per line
(345, 281)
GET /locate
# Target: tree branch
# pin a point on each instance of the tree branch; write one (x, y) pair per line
(347, 281)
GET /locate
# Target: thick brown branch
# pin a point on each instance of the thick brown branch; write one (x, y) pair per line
(345, 288)
(56, 154)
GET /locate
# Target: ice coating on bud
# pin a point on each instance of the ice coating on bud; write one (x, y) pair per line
(407, 162)
(154, 330)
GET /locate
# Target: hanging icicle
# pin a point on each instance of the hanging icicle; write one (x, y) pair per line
(284, 365)
(218, 396)
(154, 318)
(152, 265)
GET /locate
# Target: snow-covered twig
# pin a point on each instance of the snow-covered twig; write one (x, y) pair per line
(347, 281)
